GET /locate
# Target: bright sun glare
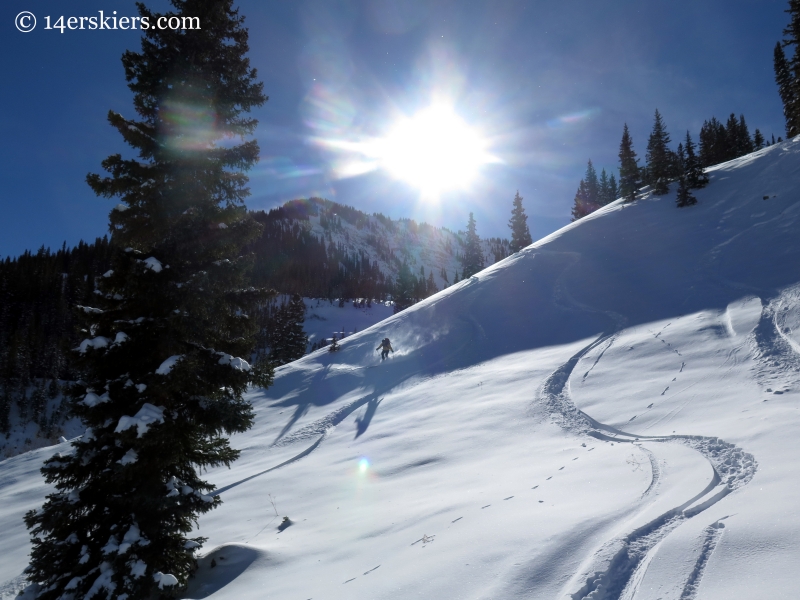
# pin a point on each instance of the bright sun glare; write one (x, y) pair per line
(434, 150)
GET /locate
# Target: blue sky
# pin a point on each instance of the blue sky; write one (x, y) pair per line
(548, 85)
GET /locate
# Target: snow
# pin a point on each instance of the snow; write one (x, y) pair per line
(130, 457)
(236, 363)
(138, 568)
(168, 364)
(96, 343)
(153, 264)
(164, 580)
(91, 399)
(609, 413)
(148, 415)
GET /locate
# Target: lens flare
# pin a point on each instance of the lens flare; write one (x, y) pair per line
(363, 465)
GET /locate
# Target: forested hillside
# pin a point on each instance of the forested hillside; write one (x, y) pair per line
(314, 247)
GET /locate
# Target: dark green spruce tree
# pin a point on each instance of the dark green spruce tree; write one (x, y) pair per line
(404, 288)
(758, 140)
(587, 198)
(684, 196)
(691, 168)
(520, 234)
(472, 261)
(288, 341)
(163, 376)
(629, 172)
(659, 159)
(783, 77)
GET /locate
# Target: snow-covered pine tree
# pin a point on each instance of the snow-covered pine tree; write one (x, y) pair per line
(163, 381)
(629, 172)
(691, 167)
(520, 233)
(472, 261)
(659, 163)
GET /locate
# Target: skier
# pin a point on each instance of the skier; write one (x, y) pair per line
(386, 347)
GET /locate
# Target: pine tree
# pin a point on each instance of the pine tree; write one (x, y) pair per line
(691, 168)
(404, 289)
(613, 191)
(587, 198)
(162, 382)
(744, 141)
(787, 92)
(520, 234)
(684, 196)
(758, 140)
(629, 173)
(659, 161)
(472, 261)
(288, 341)
(713, 143)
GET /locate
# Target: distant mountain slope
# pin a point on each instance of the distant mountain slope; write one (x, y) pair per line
(323, 249)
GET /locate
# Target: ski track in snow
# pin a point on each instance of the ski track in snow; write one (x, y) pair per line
(776, 351)
(732, 467)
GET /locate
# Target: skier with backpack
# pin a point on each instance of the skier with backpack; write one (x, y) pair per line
(386, 347)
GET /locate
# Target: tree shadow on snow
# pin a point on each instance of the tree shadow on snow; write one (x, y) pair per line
(218, 568)
(362, 422)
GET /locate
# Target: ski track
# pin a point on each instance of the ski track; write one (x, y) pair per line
(713, 533)
(776, 353)
(733, 468)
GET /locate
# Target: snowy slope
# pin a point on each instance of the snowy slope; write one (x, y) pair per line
(610, 413)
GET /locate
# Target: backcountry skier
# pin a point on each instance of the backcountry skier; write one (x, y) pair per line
(386, 347)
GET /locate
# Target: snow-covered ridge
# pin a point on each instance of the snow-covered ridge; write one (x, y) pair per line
(611, 413)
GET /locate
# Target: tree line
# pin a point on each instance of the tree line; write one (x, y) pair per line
(718, 143)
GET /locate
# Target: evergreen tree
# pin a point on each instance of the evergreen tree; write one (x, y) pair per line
(691, 168)
(744, 143)
(629, 174)
(162, 381)
(613, 191)
(587, 198)
(472, 262)
(758, 140)
(520, 234)
(659, 160)
(288, 341)
(684, 196)
(404, 289)
(713, 143)
(431, 287)
(787, 91)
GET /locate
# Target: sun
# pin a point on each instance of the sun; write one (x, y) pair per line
(433, 150)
